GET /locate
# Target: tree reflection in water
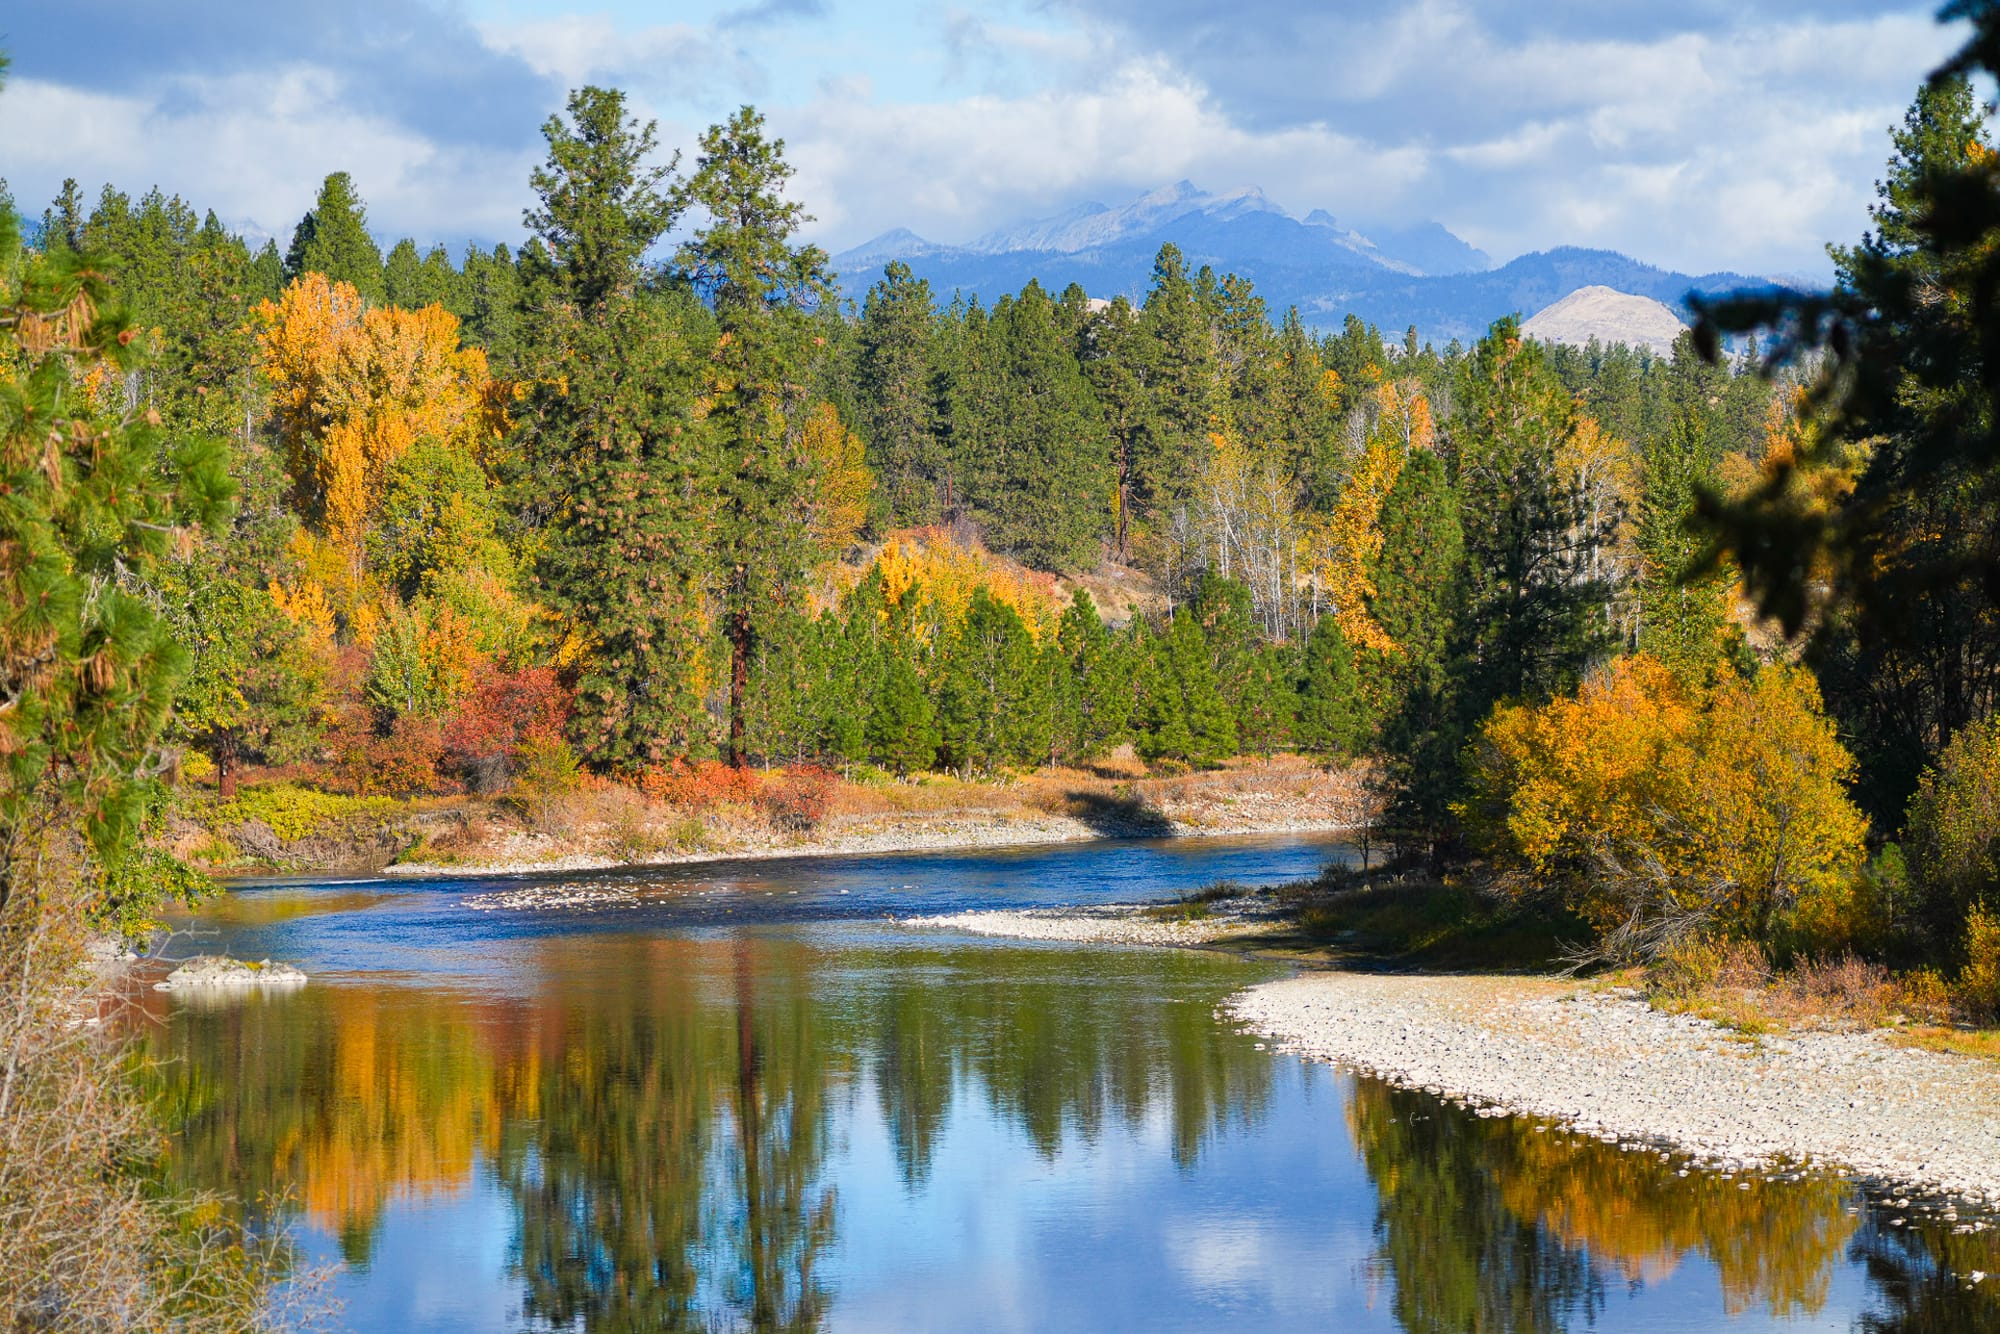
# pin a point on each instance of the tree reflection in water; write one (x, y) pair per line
(665, 1114)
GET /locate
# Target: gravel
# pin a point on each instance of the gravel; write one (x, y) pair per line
(1118, 925)
(1608, 1064)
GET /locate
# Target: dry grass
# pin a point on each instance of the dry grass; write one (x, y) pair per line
(1733, 984)
(93, 1240)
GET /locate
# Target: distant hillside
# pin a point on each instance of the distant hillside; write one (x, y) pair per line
(1394, 278)
(1605, 316)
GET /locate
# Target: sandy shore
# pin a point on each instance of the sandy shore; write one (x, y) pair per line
(1603, 1062)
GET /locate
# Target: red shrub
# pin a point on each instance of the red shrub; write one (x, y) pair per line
(405, 762)
(796, 800)
(505, 711)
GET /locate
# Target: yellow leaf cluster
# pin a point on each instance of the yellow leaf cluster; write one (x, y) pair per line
(1340, 549)
(353, 387)
(931, 570)
(1644, 798)
(839, 503)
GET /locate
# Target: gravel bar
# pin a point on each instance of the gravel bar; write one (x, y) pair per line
(1608, 1064)
(1112, 925)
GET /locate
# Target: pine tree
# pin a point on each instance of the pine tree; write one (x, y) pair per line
(994, 707)
(1180, 383)
(94, 504)
(604, 202)
(333, 239)
(1530, 623)
(1418, 578)
(493, 312)
(1112, 348)
(1093, 678)
(764, 289)
(1047, 500)
(896, 380)
(1159, 714)
(903, 731)
(1683, 611)
(1333, 717)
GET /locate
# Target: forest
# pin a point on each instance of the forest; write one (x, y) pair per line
(1694, 655)
(646, 501)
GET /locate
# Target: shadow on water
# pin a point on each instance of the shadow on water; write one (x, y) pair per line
(1117, 815)
(666, 1121)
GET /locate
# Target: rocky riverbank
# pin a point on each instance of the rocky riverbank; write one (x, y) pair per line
(1600, 1061)
(1607, 1063)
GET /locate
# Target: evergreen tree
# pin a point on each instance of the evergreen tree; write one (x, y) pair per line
(763, 288)
(1094, 681)
(1530, 623)
(896, 381)
(994, 707)
(1112, 349)
(1180, 383)
(492, 287)
(403, 276)
(1159, 715)
(1333, 715)
(623, 559)
(903, 728)
(1046, 502)
(1268, 710)
(93, 506)
(1204, 717)
(333, 239)
(62, 223)
(603, 201)
(1883, 517)
(1683, 610)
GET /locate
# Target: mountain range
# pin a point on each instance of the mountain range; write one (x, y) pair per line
(1393, 277)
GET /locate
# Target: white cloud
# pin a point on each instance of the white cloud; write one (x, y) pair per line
(952, 169)
(254, 148)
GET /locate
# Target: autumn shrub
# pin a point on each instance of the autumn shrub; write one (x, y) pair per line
(1977, 986)
(702, 786)
(1953, 843)
(405, 762)
(293, 812)
(505, 710)
(796, 800)
(1659, 812)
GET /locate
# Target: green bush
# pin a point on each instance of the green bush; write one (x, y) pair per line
(1953, 847)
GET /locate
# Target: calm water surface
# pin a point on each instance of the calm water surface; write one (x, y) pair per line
(751, 1102)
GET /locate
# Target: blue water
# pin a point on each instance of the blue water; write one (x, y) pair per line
(751, 1101)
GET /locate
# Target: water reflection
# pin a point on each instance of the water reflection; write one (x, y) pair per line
(661, 1112)
(667, 1119)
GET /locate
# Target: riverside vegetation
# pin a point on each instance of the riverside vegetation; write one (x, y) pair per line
(1695, 656)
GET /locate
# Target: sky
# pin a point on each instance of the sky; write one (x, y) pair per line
(1702, 135)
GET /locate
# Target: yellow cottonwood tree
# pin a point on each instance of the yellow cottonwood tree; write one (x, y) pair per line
(1661, 812)
(353, 388)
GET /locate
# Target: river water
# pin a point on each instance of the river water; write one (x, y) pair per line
(748, 1100)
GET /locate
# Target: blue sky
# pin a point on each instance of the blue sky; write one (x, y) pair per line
(1702, 135)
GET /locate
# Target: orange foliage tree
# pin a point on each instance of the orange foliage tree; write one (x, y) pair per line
(1661, 813)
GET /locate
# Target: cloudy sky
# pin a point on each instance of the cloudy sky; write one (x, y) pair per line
(1701, 135)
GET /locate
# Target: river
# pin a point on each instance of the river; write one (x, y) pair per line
(750, 1100)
